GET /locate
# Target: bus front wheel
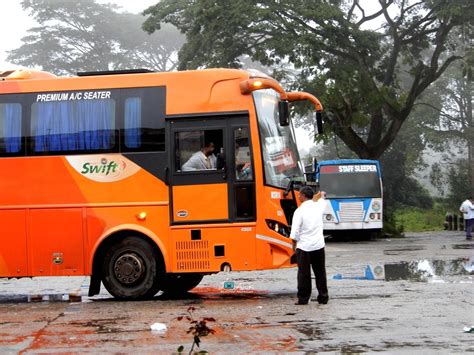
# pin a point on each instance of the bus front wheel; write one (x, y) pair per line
(180, 283)
(131, 269)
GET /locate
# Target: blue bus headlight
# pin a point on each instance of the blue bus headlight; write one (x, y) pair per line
(328, 217)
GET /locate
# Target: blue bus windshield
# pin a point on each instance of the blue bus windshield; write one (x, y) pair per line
(350, 181)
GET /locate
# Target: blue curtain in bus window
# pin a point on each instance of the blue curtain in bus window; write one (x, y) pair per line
(68, 126)
(96, 120)
(133, 117)
(51, 120)
(12, 127)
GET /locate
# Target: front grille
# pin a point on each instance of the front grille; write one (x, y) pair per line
(192, 255)
(351, 212)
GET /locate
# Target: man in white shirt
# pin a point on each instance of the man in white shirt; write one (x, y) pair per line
(307, 233)
(467, 208)
(202, 160)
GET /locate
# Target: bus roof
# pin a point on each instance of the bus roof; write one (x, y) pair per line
(187, 92)
(31, 81)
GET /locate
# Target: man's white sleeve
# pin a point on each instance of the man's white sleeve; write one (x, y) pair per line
(321, 203)
(296, 225)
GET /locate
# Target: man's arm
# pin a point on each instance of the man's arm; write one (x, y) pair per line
(193, 163)
(296, 225)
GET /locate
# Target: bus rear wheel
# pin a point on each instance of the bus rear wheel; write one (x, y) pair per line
(179, 284)
(131, 269)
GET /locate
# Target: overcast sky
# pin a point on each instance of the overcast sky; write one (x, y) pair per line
(15, 22)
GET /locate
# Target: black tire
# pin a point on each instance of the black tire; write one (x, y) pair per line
(131, 269)
(179, 284)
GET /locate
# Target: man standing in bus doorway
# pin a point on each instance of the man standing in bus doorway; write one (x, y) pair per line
(467, 208)
(307, 233)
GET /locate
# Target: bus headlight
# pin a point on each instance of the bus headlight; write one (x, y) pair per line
(280, 228)
(329, 217)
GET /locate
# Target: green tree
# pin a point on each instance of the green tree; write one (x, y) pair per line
(355, 70)
(87, 36)
(457, 177)
(445, 115)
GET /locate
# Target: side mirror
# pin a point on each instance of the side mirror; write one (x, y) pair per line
(319, 122)
(284, 113)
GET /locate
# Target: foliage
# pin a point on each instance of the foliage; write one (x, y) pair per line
(87, 36)
(198, 329)
(390, 227)
(413, 219)
(357, 72)
(458, 182)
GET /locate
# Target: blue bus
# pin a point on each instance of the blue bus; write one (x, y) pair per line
(354, 189)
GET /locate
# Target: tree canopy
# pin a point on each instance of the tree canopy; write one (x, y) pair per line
(87, 36)
(369, 66)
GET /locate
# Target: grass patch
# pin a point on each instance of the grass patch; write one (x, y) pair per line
(412, 219)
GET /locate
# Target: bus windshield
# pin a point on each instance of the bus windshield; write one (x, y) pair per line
(279, 151)
(340, 181)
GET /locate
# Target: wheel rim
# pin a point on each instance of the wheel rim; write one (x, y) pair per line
(129, 268)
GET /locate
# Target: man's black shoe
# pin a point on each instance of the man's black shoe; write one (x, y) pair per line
(323, 299)
(301, 303)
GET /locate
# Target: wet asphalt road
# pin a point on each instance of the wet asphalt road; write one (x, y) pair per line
(423, 312)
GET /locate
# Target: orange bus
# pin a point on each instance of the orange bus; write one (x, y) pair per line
(145, 181)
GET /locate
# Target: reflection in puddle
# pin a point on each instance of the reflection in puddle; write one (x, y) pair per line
(423, 270)
(310, 330)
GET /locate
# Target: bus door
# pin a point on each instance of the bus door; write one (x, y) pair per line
(211, 174)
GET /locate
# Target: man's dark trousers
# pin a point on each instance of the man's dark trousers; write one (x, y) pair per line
(469, 226)
(308, 260)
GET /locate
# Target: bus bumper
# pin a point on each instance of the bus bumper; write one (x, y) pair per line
(353, 225)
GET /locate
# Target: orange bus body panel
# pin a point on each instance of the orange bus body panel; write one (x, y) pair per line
(200, 202)
(13, 251)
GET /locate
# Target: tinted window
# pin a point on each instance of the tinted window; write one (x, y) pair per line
(143, 128)
(133, 122)
(73, 125)
(10, 128)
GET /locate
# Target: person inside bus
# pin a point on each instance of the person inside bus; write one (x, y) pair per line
(243, 167)
(202, 160)
(307, 233)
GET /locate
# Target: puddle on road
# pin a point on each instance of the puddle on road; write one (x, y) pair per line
(361, 297)
(399, 251)
(462, 246)
(312, 332)
(423, 270)
(50, 298)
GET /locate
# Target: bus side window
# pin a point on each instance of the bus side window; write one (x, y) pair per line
(133, 122)
(243, 162)
(140, 134)
(197, 150)
(10, 128)
(73, 126)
